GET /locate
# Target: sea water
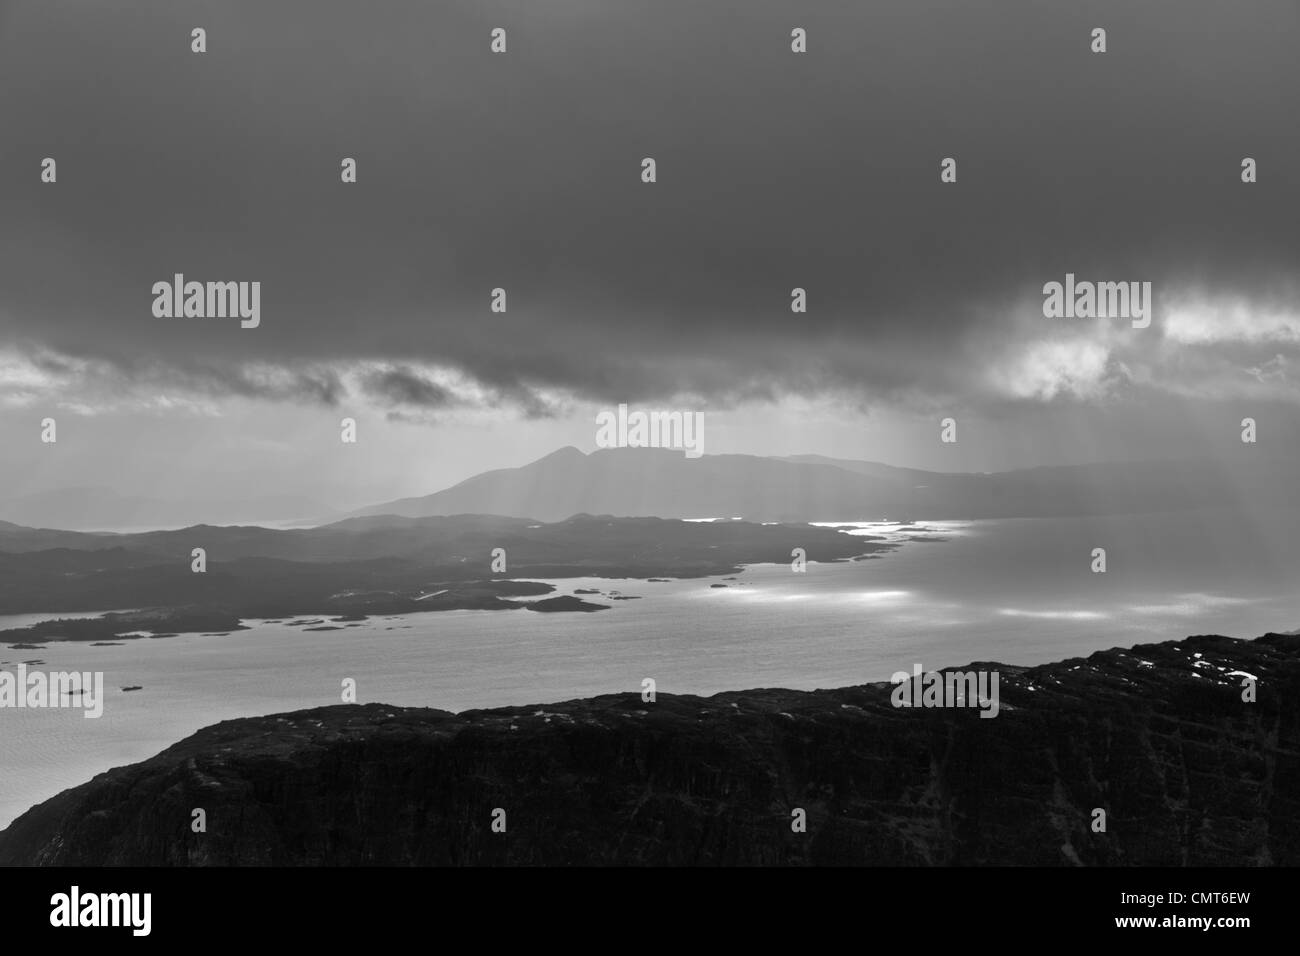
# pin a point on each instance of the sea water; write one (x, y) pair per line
(1015, 591)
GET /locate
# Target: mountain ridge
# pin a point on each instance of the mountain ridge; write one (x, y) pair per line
(1158, 736)
(635, 482)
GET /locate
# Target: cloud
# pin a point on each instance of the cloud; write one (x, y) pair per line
(1210, 322)
(1045, 370)
(1274, 370)
(521, 171)
(402, 386)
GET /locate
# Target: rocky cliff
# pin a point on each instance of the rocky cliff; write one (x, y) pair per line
(1158, 737)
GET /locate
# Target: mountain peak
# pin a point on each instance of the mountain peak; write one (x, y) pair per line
(567, 453)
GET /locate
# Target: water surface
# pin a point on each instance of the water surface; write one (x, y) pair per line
(1016, 591)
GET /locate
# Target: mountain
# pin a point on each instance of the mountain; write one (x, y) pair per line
(664, 483)
(655, 482)
(1158, 737)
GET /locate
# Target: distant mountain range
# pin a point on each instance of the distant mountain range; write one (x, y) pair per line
(89, 508)
(666, 484)
(663, 483)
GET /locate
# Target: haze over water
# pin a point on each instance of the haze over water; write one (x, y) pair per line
(1015, 591)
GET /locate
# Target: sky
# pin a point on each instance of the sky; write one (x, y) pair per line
(522, 170)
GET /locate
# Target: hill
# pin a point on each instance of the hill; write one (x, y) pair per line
(1158, 737)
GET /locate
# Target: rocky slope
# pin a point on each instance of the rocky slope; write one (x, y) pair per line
(1157, 736)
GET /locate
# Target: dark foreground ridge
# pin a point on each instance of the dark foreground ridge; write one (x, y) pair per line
(1159, 737)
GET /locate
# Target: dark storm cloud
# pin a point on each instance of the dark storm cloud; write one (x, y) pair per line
(401, 386)
(522, 171)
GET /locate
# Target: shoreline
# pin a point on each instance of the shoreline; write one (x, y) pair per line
(314, 574)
